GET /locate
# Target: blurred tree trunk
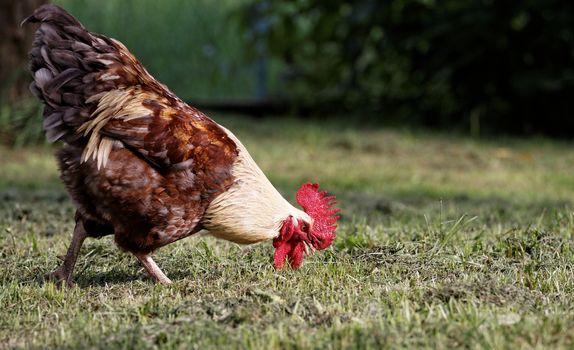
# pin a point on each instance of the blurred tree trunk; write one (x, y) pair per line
(15, 42)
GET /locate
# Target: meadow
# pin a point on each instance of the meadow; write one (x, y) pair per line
(444, 242)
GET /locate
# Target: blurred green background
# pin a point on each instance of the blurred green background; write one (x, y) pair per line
(475, 66)
(194, 47)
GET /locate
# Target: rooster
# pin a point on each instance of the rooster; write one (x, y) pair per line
(144, 166)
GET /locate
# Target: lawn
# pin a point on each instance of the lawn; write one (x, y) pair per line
(445, 241)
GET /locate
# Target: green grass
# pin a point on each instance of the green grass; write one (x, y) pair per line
(445, 242)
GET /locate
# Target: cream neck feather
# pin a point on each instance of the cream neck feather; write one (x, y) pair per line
(251, 210)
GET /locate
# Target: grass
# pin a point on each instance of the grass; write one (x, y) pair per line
(445, 242)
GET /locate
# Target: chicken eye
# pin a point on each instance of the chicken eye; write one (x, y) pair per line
(305, 227)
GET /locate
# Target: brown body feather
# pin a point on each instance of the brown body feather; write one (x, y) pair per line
(138, 162)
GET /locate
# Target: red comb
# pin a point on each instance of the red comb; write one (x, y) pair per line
(318, 206)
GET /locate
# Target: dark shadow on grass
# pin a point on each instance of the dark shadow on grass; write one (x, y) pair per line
(84, 280)
(110, 277)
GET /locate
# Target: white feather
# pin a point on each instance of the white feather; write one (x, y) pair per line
(42, 76)
(251, 210)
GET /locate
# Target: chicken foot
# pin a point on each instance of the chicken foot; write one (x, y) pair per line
(63, 274)
(152, 268)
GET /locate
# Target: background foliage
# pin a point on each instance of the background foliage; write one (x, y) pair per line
(479, 66)
(194, 47)
(503, 65)
(191, 46)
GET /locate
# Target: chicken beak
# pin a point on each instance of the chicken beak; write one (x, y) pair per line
(309, 249)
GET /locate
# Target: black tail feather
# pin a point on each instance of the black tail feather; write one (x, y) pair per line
(65, 61)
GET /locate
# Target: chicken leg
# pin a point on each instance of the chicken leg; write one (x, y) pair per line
(63, 274)
(152, 268)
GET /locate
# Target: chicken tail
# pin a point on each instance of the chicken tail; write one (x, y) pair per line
(67, 64)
